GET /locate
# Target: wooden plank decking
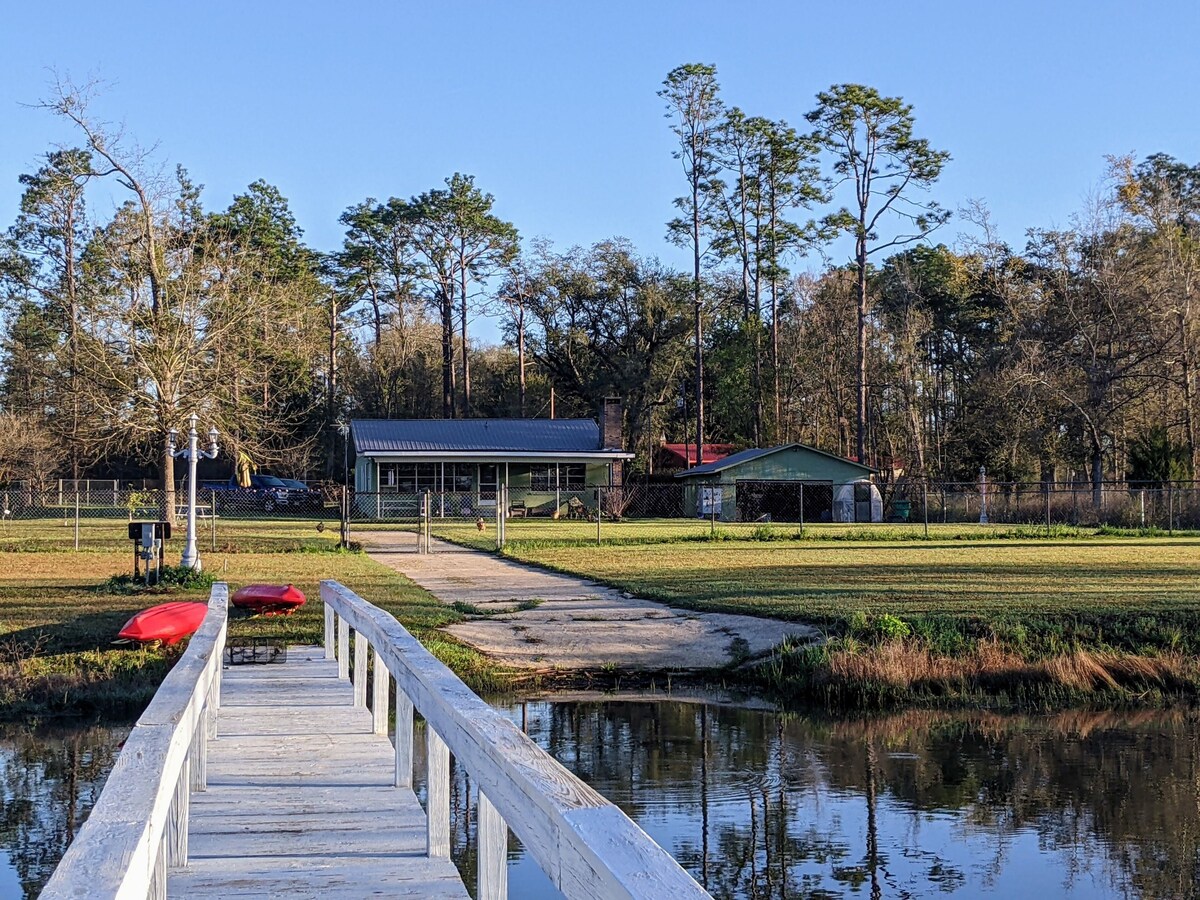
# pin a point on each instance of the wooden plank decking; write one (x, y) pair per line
(300, 799)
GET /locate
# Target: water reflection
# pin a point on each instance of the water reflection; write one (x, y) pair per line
(761, 805)
(50, 778)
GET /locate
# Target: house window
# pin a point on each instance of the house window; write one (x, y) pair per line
(460, 477)
(541, 478)
(408, 478)
(566, 477)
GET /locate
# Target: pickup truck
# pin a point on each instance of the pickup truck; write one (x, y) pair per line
(266, 493)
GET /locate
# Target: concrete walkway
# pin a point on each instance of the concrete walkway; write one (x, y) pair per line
(578, 624)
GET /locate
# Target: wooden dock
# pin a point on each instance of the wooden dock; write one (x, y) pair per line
(301, 800)
(279, 780)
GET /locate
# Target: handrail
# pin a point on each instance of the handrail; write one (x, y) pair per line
(138, 827)
(586, 846)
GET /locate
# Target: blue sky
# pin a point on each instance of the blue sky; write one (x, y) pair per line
(552, 106)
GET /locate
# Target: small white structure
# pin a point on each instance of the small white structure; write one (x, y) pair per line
(858, 501)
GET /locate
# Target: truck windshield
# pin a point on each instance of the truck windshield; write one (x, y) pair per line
(270, 481)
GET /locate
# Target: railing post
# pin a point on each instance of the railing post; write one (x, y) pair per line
(437, 789)
(329, 632)
(404, 739)
(198, 754)
(343, 651)
(177, 833)
(158, 878)
(379, 699)
(360, 669)
(493, 852)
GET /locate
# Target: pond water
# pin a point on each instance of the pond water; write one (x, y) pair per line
(50, 778)
(759, 804)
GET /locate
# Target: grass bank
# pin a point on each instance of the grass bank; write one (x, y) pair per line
(57, 627)
(1089, 616)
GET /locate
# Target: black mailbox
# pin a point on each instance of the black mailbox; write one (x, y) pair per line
(151, 530)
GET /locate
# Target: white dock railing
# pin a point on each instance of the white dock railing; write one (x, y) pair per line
(585, 844)
(139, 826)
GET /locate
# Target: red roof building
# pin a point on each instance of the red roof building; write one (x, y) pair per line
(683, 456)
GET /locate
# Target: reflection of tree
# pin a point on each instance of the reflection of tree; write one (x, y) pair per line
(1108, 792)
(49, 780)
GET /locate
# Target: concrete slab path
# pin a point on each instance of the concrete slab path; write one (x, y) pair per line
(578, 625)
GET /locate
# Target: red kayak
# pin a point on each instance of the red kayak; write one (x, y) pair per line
(269, 599)
(167, 622)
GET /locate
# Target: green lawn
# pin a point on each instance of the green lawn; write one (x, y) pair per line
(1076, 587)
(56, 628)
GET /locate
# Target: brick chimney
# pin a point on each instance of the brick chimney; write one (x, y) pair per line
(612, 415)
(611, 424)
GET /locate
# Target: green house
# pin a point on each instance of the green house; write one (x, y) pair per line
(788, 483)
(546, 464)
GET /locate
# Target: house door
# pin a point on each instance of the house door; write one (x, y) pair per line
(489, 474)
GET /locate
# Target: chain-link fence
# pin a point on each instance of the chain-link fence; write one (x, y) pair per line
(96, 514)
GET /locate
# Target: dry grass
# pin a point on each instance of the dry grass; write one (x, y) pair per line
(909, 667)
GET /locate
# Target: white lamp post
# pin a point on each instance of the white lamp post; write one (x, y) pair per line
(192, 453)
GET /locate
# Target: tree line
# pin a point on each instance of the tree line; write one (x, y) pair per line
(1072, 357)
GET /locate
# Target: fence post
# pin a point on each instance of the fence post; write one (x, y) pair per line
(925, 506)
(501, 507)
(802, 509)
(599, 512)
(983, 503)
(212, 512)
(1170, 507)
(342, 515)
(77, 516)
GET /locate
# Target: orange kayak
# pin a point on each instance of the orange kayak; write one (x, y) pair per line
(167, 622)
(269, 599)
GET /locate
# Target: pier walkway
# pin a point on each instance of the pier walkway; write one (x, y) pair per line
(281, 780)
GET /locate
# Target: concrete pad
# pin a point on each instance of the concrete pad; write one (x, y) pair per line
(578, 624)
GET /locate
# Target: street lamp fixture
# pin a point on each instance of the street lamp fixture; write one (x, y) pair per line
(192, 453)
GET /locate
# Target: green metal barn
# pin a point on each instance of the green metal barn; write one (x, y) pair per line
(788, 483)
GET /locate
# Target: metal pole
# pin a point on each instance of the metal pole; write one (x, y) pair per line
(212, 519)
(1170, 508)
(77, 515)
(599, 513)
(983, 505)
(802, 509)
(925, 505)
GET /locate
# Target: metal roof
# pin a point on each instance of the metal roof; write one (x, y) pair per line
(754, 453)
(382, 436)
